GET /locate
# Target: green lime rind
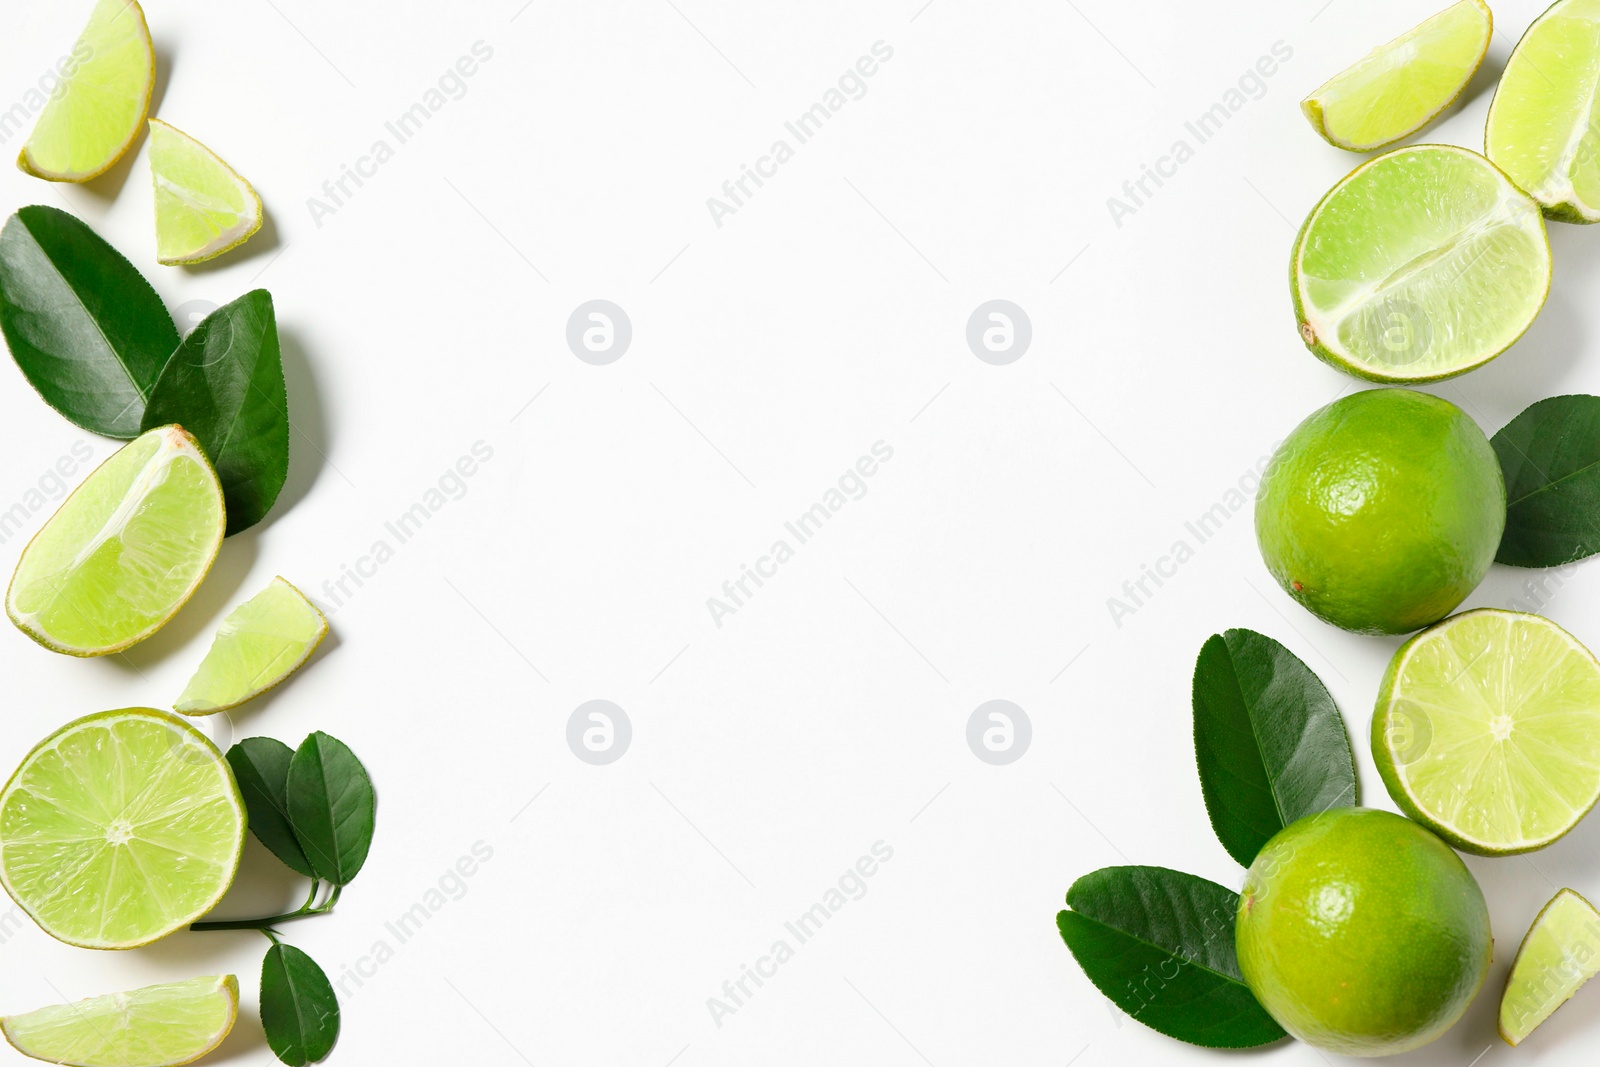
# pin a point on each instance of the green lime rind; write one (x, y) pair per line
(156, 1026)
(258, 646)
(1558, 954)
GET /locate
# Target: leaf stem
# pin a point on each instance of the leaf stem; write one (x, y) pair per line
(305, 911)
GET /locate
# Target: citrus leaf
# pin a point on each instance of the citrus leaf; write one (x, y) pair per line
(1268, 739)
(224, 384)
(86, 329)
(299, 1011)
(261, 767)
(331, 806)
(1159, 943)
(1550, 456)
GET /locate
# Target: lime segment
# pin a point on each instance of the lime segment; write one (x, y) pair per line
(1559, 953)
(157, 1026)
(203, 206)
(1401, 86)
(260, 643)
(1487, 730)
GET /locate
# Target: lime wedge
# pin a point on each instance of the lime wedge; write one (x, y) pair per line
(157, 1026)
(203, 206)
(104, 95)
(124, 552)
(1559, 953)
(119, 828)
(1487, 730)
(1542, 122)
(1421, 264)
(260, 643)
(1402, 86)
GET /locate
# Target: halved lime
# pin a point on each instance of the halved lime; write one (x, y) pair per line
(1542, 122)
(1401, 86)
(1559, 953)
(1487, 730)
(124, 552)
(1421, 264)
(119, 828)
(203, 206)
(260, 643)
(157, 1026)
(104, 95)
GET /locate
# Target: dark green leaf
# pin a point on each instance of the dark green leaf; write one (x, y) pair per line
(298, 1009)
(261, 767)
(1268, 739)
(84, 326)
(331, 806)
(1159, 943)
(1550, 455)
(224, 384)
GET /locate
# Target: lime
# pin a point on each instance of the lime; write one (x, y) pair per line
(96, 111)
(1559, 953)
(1420, 264)
(1401, 86)
(119, 828)
(1361, 933)
(157, 1026)
(260, 643)
(1487, 731)
(203, 206)
(1541, 127)
(1382, 511)
(124, 552)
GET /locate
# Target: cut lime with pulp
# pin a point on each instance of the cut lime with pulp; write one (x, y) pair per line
(1401, 86)
(157, 1026)
(1487, 731)
(119, 828)
(124, 552)
(203, 206)
(1421, 264)
(260, 643)
(96, 111)
(1559, 953)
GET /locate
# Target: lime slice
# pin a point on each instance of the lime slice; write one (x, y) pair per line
(1402, 86)
(104, 95)
(203, 206)
(157, 1026)
(1559, 953)
(260, 643)
(1487, 730)
(1421, 264)
(1542, 122)
(119, 828)
(124, 552)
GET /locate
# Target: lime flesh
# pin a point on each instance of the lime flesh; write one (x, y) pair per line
(1421, 264)
(1401, 86)
(1487, 730)
(124, 552)
(1559, 953)
(203, 206)
(157, 1026)
(260, 643)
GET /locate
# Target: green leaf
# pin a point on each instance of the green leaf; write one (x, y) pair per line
(224, 384)
(1550, 455)
(261, 767)
(1159, 943)
(87, 330)
(298, 1009)
(1269, 741)
(331, 806)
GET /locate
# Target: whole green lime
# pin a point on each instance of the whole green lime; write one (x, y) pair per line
(1382, 511)
(1362, 933)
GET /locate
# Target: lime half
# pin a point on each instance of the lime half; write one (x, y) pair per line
(260, 643)
(1421, 264)
(1542, 123)
(1401, 86)
(104, 95)
(119, 828)
(1487, 730)
(124, 552)
(203, 206)
(157, 1026)
(1559, 953)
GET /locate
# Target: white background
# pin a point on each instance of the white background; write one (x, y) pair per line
(429, 312)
